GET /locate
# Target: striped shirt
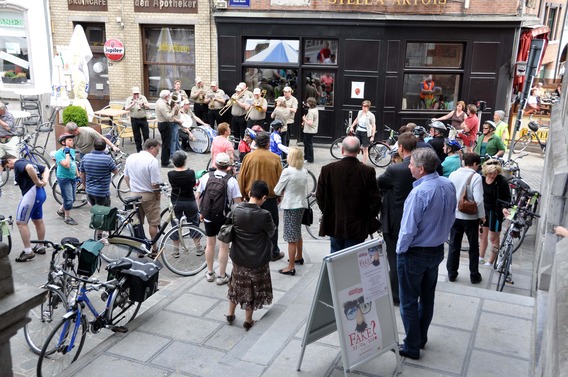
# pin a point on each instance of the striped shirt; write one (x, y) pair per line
(97, 167)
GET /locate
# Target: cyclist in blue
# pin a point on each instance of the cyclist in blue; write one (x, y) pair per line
(276, 145)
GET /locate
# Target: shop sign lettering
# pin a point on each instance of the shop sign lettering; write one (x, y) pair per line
(165, 47)
(11, 22)
(387, 2)
(166, 6)
(91, 5)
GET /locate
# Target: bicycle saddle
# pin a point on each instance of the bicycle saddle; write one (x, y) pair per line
(132, 199)
(71, 241)
(518, 182)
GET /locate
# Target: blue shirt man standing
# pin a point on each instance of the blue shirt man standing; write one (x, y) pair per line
(95, 171)
(428, 215)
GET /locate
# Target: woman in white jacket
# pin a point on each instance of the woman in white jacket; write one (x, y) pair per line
(293, 185)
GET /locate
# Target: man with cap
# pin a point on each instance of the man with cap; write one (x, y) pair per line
(31, 180)
(256, 110)
(215, 100)
(197, 95)
(137, 104)
(165, 115)
(264, 165)
(214, 221)
(488, 143)
(8, 142)
(292, 104)
(501, 128)
(238, 111)
(185, 119)
(67, 174)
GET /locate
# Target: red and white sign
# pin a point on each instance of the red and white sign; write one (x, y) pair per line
(114, 50)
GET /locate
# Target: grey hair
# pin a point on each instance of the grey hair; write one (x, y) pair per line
(500, 114)
(427, 158)
(2, 106)
(164, 93)
(71, 127)
(179, 158)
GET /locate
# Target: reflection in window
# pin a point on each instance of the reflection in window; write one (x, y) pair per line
(14, 68)
(439, 93)
(318, 51)
(169, 55)
(273, 80)
(441, 55)
(271, 51)
(320, 86)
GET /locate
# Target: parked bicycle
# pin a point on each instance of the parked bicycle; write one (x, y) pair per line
(65, 342)
(380, 152)
(313, 229)
(524, 141)
(335, 148)
(527, 201)
(180, 247)
(27, 152)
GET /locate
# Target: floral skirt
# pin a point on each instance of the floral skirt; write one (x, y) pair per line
(293, 224)
(251, 288)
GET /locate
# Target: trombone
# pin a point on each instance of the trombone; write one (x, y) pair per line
(256, 105)
(231, 102)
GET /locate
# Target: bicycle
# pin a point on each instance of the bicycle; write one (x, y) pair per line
(65, 342)
(335, 148)
(524, 141)
(80, 194)
(58, 288)
(380, 152)
(527, 201)
(179, 247)
(313, 229)
(5, 235)
(27, 152)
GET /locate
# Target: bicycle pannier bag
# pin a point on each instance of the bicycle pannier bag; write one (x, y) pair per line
(214, 203)
(465, 205)
(103, 218)
(142, 279)
(89, 258)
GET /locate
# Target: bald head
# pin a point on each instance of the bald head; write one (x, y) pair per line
(350, 146)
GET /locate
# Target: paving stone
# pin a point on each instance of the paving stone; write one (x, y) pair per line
(110, 365)
(459, 312)
(132, 348)
(318, 359)
(191, 304)
(188, 358)
(178, 326)
(484, 364)
(502, 334)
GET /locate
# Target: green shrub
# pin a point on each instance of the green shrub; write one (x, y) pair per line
(75, 114)
(10, 74)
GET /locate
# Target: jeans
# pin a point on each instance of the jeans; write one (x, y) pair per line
(470, 228)
(166, 133)
(417, 276)
(68, 190)
(174, 146)
(337, 244)
(271, 205)
(140, 126)
(309, 147)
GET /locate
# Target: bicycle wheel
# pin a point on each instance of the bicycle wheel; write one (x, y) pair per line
(37, 158)
(111, 252)
(62, 347)
(123, 309)
(313, 230)
(312, 183)
(335, 148)
(122, 189)
(80, 196)
(379, 154)
(52, 175)
(183, 249)
(504, 268)
(521, 144)
(43, 318)
(4, 176)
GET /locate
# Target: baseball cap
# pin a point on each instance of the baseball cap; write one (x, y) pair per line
(135, 89)
(256, 91)
(222, 159)
(198, 80)
(213, 83)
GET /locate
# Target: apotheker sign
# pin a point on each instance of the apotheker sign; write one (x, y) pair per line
(114, 50)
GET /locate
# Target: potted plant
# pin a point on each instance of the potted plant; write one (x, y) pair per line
(75, 114)
(9, 77)
(21, 77)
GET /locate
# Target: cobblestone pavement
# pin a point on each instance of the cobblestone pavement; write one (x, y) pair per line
(34, 272)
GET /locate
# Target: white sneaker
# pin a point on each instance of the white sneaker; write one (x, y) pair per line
(222, 279)
(210, 276)
(488, 264)
(481, 260)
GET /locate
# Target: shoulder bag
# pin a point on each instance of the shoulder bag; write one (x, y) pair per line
(465, 205)
(227, 233)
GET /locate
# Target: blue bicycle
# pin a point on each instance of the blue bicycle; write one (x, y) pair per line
(27, 152)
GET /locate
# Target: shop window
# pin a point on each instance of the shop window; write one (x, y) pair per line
(271, 51)
(14, 58)
(320, 51)
(169, 55)
(320, 85)
(271, 79)
(439, 55)
(551, 19)
(440, 93)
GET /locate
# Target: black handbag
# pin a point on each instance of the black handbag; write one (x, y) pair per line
(227, 233)
(308, 216)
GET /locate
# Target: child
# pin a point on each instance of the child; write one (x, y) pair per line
(276, 145)
(244, 144)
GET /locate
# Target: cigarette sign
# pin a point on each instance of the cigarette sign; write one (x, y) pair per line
(114, 50)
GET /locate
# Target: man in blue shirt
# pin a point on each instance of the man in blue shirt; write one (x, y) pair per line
(428, 215)
(95, 171)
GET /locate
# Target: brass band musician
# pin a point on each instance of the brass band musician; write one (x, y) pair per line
(185, 118)
(197, 95)
(137, 104)
(240, 99)
(292, 104)
(215, 99)
(181, 94)
(256, 110)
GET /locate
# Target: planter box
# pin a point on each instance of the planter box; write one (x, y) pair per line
(14, 80)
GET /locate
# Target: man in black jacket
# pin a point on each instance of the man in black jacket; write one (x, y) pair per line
(396, 182)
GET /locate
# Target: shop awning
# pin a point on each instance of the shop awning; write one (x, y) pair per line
(527, 35)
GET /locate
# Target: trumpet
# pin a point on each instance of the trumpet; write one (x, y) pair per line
(231, 102)
(256, 105)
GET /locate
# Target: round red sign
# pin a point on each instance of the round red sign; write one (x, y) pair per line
(114, 50)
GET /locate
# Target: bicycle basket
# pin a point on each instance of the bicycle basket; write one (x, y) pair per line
(533, 126)
(103, 218)
(89, 258)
